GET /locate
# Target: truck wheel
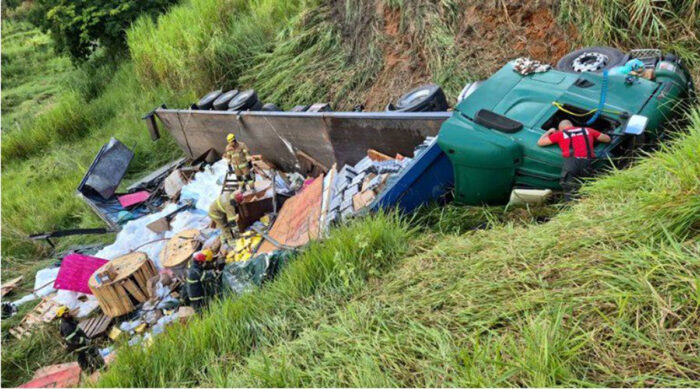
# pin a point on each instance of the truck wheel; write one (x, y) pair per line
(207, 101)
(270, 107)
(591, 59)
(426, 98)
(243, 100)
(221, 102)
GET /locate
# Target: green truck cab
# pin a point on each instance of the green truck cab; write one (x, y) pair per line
(491, 137)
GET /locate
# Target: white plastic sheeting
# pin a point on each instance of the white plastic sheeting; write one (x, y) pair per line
(135, 236)
(204, 188)
(42, 278)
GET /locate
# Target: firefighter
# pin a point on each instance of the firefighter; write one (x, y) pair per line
(239, 162)
(576, 144)
(224, 215)
(202, 279)
(89, 357)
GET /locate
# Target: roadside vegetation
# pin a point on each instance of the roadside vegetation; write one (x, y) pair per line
(605, 293)
(482, 290)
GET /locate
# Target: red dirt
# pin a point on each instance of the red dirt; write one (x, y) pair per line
(487, 36)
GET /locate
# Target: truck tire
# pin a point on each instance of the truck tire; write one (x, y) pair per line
(221, 102)
(425, 98)
(591, 59)
(270, 107)
(243, 100)
(207, 101)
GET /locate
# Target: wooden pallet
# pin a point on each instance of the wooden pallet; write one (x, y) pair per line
(129, 288)
(95, 326)
(43, 313)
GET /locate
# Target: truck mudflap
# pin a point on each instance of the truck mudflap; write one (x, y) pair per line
(429, 177)
(328, 137)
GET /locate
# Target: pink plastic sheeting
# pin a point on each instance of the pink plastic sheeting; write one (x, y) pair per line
(133, 198)
(75, 272)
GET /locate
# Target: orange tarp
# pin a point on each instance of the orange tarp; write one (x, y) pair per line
(297, 222)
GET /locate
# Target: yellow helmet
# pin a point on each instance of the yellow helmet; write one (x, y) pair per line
(209, 255)
(205, 255)
(62, 310)
(230, 138)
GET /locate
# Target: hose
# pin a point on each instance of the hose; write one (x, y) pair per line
(601, 103)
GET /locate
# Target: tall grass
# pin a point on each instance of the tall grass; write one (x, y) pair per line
(206, 44)
(604, 294)
(311, 63)
(323, 274)
(673, 26)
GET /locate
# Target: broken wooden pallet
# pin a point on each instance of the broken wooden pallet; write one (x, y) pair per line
(95, 326)
(44, 312)
(10, 285)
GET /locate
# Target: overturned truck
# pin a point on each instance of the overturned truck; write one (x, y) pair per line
(489, 138)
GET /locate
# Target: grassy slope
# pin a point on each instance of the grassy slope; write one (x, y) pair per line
(322, 53)
(605, 293)
(27, 55)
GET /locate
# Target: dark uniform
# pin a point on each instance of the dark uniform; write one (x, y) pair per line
(202, 284)
(89, 357)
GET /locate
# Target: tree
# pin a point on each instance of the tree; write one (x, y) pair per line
(79, 27)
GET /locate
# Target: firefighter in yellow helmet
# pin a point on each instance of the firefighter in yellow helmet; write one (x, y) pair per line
(202, 279)
(239, 161)
(224, 214)
(89, 357)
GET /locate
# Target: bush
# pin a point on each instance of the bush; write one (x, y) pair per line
(79, 27)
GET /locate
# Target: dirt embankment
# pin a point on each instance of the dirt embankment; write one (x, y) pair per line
(481, 39)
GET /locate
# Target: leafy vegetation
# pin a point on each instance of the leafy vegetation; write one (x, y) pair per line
(28, 55)
(80, 27)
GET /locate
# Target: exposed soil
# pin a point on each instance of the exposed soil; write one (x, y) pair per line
(485, 37)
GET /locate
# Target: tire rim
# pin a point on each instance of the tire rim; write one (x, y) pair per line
(590, 62)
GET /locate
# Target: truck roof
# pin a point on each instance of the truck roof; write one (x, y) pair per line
(528, 99)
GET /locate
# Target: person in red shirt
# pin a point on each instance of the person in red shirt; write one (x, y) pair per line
(576, 144)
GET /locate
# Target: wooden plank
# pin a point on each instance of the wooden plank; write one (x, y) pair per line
(298, 221)
(140, 281)
(10, 285)
(95, 326)
(134, 290)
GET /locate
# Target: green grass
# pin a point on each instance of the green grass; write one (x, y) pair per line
(322, 276)
(604, 294)
(27, 56)
(55, 118)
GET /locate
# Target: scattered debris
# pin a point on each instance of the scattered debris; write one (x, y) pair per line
(10, 285)
(75, 272)
(43, 313)
(95, 326)
(136, 198)
(64, 375)
(178, 251)
(298, 221)
(126, 286)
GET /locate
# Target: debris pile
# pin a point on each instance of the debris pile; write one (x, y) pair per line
(201, 231)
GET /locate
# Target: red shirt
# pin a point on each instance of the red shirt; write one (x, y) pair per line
(579, 142)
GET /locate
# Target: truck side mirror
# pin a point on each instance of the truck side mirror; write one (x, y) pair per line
(636, 125)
